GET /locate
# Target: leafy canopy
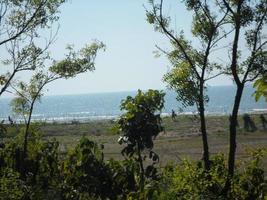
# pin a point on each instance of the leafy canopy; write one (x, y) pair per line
(140, 124)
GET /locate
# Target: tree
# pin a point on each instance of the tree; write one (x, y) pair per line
(140, 124)
(27, 94)
(20, 25)
(192, 66)
(248, 18)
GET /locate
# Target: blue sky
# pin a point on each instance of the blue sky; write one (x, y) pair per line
(128, 62)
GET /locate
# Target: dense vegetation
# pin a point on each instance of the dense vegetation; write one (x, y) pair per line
(83, 173)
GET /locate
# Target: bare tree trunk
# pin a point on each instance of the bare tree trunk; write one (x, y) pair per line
(204, 130)
(239, 91)
(232, 148)
(25, 144)
(26, 135)
(142, 172)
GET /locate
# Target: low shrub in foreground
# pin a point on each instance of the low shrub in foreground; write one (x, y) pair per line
(84, 174)
(189, 180)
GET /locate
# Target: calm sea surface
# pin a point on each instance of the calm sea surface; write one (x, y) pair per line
(107, 105)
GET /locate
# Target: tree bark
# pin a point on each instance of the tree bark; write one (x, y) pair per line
(142, 171)
(25, 145)
(239, 91)
(232, 148)
(204, 130)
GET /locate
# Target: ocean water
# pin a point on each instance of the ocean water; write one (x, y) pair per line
(107, 105)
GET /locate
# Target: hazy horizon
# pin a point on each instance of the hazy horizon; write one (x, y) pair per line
(7, 95)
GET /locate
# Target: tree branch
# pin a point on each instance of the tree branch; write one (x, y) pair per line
(26, 25)
(172, 37)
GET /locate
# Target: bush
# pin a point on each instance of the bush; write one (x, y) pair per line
(139, 125)
(11, 186)
(39, 171)
(189, 180)
(85, 173)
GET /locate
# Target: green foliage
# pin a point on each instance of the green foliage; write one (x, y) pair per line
(251, 183)
(37, 174)
(77, 62)
(38, 14)
(20, 106)
(22, 21)
(74, 64)
(140, 124)
(191, 65)
(125, 177)
(85, 173)
(189, 180)
(261, 88)
(28, 94)
(3, 130)
(11, 186)
(181, 80)
(2, 80)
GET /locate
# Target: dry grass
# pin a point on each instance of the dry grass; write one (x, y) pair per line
(181, 138)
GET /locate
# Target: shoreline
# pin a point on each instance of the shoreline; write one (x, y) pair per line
(88, 119)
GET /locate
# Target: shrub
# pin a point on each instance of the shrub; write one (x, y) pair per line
(139, 125)
(11, 186)
(85, 173)
(189, 180)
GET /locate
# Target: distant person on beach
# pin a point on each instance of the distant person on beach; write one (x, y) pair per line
(173, 115)
(10, 120)
(249, 125)
(263, 121)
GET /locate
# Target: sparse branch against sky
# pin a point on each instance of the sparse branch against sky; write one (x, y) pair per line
(128, 62)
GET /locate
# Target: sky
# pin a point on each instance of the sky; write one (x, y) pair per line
(129, 62)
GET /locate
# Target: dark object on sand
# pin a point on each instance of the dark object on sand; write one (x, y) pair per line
(10, 120)
(249, 125)
(173, 115)
(263, 121)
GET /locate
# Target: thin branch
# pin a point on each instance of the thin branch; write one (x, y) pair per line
(214, 76)
(206, 11)
(26, 25)
(259, 48)
(162, 50)
(253, 78)
(255, 49)
(20, 94)
(228, 7)
(220, 38)
(167, 32)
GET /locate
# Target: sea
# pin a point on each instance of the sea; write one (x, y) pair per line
(97, 106)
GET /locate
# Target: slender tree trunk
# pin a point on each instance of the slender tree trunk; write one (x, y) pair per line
(232, 127)
(239, 91)
(26, 135)
(204, 130)
(142, 172)
(25, 145)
